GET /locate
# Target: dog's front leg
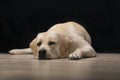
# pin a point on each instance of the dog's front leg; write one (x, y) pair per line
(21, 51)
(86, 51)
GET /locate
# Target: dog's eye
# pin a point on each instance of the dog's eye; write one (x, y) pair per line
(39, 43)
(51, 43)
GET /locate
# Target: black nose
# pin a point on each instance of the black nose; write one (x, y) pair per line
(42, 54)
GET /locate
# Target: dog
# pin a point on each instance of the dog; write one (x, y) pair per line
(62, 40)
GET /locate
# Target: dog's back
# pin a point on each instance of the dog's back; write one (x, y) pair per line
(71, 29)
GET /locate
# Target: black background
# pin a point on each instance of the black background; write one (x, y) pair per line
(21, 20)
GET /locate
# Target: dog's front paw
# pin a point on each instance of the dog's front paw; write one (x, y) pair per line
(14, 52)
(75, 55)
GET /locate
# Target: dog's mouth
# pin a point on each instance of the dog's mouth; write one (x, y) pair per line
(43, 57)
(42, 54)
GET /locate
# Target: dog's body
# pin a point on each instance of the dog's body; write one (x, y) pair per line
(62, 40)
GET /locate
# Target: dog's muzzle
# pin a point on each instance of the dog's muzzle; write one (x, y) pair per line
(42, 54)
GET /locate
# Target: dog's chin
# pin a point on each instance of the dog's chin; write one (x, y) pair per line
(45, 58)
(48, 57)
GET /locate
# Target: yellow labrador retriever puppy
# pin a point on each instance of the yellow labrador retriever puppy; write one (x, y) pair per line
(62, 40)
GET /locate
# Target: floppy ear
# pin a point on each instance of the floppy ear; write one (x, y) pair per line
(33, 46)
(65, 44)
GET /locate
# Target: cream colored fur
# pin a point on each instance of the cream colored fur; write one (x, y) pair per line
(62, 40)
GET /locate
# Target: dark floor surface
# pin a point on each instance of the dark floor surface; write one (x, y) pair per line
(24, 67)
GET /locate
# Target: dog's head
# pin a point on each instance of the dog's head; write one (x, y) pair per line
(50, 45)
